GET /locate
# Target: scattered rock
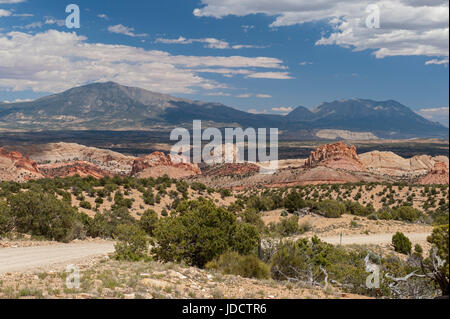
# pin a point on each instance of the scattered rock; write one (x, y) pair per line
(154, 283)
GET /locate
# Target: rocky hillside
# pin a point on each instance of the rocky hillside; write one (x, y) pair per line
(15, 167)
(438, 175)
(390, 164)
(159, 164)
(61, 154)
(64, 160)
(335, 164)
(328, 164)
(337, 156)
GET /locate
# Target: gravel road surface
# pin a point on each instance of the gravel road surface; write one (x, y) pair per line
(42, 257)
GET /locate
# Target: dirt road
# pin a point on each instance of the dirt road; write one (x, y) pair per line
(42, 257)
(374, 239)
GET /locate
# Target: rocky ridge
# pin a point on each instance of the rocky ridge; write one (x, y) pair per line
(438, 175)
(109, 162)
(158, 164)
(15, 167)
(80, 168)
(65, 160)
(336, 156)
(328, 164)
(390, 164)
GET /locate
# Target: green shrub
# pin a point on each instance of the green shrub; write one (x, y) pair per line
(357, 209)
(85, 204)
(253, 217)
(305, 227)
(6, 220)
(401, 243)
(331, 208)
(440, 216)
(418, 250)
(149, 221)
(385, 213)
(440, 240)
(225, 193)
(294, 202)
(231, 263)
(43, 215)
(288, 226)
(245, 239)
(261, 203)
(105, 225)
(304, 260)
(199, 187)
(132, 243)
(406, 213)
(199, 232)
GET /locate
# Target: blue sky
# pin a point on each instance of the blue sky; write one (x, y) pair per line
(255, 55)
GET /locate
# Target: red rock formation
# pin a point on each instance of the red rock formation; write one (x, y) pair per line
(438, 175)
(15, 167)
(158, 164)
(80, 168)
(336, 156)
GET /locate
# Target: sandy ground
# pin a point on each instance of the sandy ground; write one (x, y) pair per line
(103, 278)
(376, 239)
(350, 225)
(41, 257)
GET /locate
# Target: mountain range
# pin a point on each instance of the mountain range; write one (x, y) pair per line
(110, 106)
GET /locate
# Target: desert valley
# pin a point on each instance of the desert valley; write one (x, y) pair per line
(224, 159)
(351, 201)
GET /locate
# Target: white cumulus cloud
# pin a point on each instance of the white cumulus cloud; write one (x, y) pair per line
(4, 13)
(211, 43)
(436, 61)
(54, 61)
(11, 1)
(271, 75)
(438, 114)
(283, 110)
(407, 27)
(121, 29)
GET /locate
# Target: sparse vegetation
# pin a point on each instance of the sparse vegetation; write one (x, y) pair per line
(222, 230)
(231, 263)
(200, 231)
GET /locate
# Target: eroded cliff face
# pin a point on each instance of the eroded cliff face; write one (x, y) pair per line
(390, 164)
(333, 163)
(110, 162)
(82, 169)
(17, 168)
(437, 175)
(158, 164)
(336, 156)
(65, 159)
